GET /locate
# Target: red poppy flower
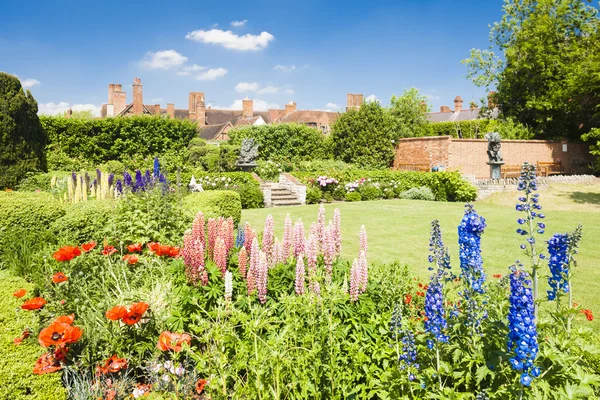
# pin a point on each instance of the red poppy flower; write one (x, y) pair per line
(116, 313)
(113, 364)
(407, 299)
(59, 334)
(172, 341)
(174, 252)
(134, 248)
(59, 277)
(497, 276)
(153, 246)
(200, 385)
(66, 319)
(46, 364)
(131, 258)
(109, 250)
(24, 335)
(588, 314)
(135, 313)
(66, 253)
(88, 246)
(33, 304)
(20, 293)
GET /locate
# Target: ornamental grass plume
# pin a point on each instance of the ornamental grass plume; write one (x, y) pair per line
(364, 246)
(242, 261)
(321, 228)
(268, 239)
(198, 227)
(355, 281)
(300, 276)
(337, 231)
(364, 271)
(228, 286)
(262, 277)
(469, 239)
(522, 331)
(288, 238)
(299, 240)
(213, 231)
(220, 255)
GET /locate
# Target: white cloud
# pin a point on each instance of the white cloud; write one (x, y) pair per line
(289, 91)
(332, 106)
(212, 74)
(246, 87)
(258, 105)
(372, 98)
(431, 97)
(29, 83)
(230, 40)
(238, 24)
(61, 107)
(158, 100)
(268, 90)
(285, 68)
(163, 59)
(187, 69)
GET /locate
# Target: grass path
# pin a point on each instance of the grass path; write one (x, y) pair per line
(398, 230)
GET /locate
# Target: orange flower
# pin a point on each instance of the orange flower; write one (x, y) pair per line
(116, 313)
(588, 314)
(24, 335)
(497, 276)
(113, 364)
(66, 253)
(46, 364)
(131, 258)
(8, 190)
(109, 250)
(33, 304)
(88, 246)
(20, 293)
(174, 252)
(66, 319)
(59, 334)
(200, 385)
(134, 248)
(172, 341)
(407, 298)
(135, 313)
(153, 246)
(59, 277)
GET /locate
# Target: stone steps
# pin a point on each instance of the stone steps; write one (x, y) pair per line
(283, 197)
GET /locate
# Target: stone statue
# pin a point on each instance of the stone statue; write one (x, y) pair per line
(194, 186)
(248, 153)
(493, 150)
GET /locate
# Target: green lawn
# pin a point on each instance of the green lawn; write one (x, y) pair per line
(398, 230)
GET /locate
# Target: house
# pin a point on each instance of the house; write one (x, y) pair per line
(459, 113)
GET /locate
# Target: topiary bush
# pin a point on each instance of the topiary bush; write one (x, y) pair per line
(84, 221)
(420, 193)
(29, 211)
(17, 380)
(214, 203)
(251, 196)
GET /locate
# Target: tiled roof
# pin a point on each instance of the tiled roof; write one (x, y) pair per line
(306, 116)
(463, 115)
(247, 121)
(211, 132)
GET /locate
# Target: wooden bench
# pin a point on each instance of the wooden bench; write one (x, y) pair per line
(511, 171)
(550, 168)
(413, 167)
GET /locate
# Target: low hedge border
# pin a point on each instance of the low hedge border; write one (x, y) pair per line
(214, 203)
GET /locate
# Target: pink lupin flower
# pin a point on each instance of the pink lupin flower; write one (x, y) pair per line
(311, 253)
(355, 280)
(220, 255)
(228, 286)
(268, 238)
(337, 231)
(328, 253)
(363, 239)
(300, 272)
(298, 238)
(248, 237)
(364, 271)
(198, 227)
(228, 234)
(314, 232)
(261, 278)
(277, 254)
(288, 238)
(314, 285)
(242, 261)
(321, 227)
(253, 270)
(213, 232)
(193, 258)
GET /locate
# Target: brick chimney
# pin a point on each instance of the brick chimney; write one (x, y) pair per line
(290, 107)
(170, 110)
(119, 102)
(138, 101)
(112, 88)
(445, 109)
(458, 102)
(194, 99)
(247, 108)
(354, 101)
(200, 114)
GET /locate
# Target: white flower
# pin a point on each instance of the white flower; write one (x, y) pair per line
(223, 178)
(156, 367)
(166, 378)
(214, 184)
(168, 365)
(179, 371)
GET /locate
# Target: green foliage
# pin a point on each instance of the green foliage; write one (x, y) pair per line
(353, 196)
(16, 362)
(84, 221)
(22, 139)
(418, 193)
(313, 195)
(29, 211)
(370, 192)
(284, 141)
(214, 203)
(101, 140)
(251, 196)
(477, 128)
(113, 167)
(410, 111)
(196, 142)
(548, 77)
(365, 137)
(593, 136)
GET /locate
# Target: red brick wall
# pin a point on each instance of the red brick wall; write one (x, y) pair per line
(469, 156)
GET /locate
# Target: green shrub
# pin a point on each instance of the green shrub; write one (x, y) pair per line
(313, 195)
(214, 203)
(84, 221)
(251, 196)
(353, 196)
(219, 180)
(196, 142)
(113, 167)
(420, 193)
(39, 181)
(16, 362)
(370, 192)
(29, 211)
(328, 197)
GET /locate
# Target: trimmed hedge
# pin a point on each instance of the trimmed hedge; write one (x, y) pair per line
(84, 221)
(215, 203)
(17, 380)
(30, 211)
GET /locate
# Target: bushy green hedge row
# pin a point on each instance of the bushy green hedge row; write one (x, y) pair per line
(215, 203)
(102, 140)
(476, 129)
(29, 211)
(84, 221)
(17, 380)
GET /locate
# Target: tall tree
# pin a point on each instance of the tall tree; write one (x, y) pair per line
(22, 139)
(410, 111)
(548, 73)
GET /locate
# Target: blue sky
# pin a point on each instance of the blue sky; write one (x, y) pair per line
(68, 52)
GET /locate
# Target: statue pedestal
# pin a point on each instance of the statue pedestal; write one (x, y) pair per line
(496, 169)
(246, 167)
